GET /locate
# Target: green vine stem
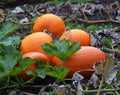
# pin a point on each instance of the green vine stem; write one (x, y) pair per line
(19, 84)
(8, 81)
(116, 92)
(25, 23)
(11, 86)
(100, 86)
(102, 90)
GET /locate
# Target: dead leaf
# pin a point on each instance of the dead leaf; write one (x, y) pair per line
(94, 81)
(98, 67)
(106, 69)
(110, 69)
(79, 89)
(77, 76)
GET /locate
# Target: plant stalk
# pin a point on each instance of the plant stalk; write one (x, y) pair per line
(100, 86)
(102, 90)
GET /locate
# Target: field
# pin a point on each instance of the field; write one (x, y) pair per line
(49, 67)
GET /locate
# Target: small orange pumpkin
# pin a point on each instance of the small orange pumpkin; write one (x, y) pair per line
(76, 35)
(50, 22)
(33, 55)
(32, 42)
(82, 59)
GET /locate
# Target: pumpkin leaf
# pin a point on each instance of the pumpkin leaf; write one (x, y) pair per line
(61, 72)
(16, 71)
(57, 72)
(13, 41)
(72, 49)
(7, 28)
(26, 62)
(8, 60)
(59, 45)
(48, 70)
(41, 73)
(61, 48)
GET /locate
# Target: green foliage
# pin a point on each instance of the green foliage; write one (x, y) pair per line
(13, 41)
(49, 93)
(107, 42)
(75, 25)
(117, 48)
(6, 29)
(9, 57)
(24, 63)
(93, 28)
(118, 75)
(60, 48)
(48, 70)
(58, 72)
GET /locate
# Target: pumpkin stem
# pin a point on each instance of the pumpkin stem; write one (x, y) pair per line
(68, 34)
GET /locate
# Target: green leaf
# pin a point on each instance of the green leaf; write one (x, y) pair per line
(118, 75)
(8, 60)
(61, 72)
(56, 72)
(31, 72)
(93, 28)
(16, 71)
(72, 49)
(7, 28)
(26, 62)
(59, 45)
(13, 41)
(1, 68)
(8, 49)
(50, 71)
(61, 48)
(40, 63)
(41, 73)
(107, 42)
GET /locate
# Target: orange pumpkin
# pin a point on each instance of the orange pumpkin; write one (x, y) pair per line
(33, 55)
(32, 42)
(50, 22)
(76, 35)
(82, 59)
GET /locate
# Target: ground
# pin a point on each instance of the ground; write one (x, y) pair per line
(101, 20)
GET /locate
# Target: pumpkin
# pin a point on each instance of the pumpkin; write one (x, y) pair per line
(33, 55)
(81, 60)
(77, 35)
(32, 42)
(50, 22)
